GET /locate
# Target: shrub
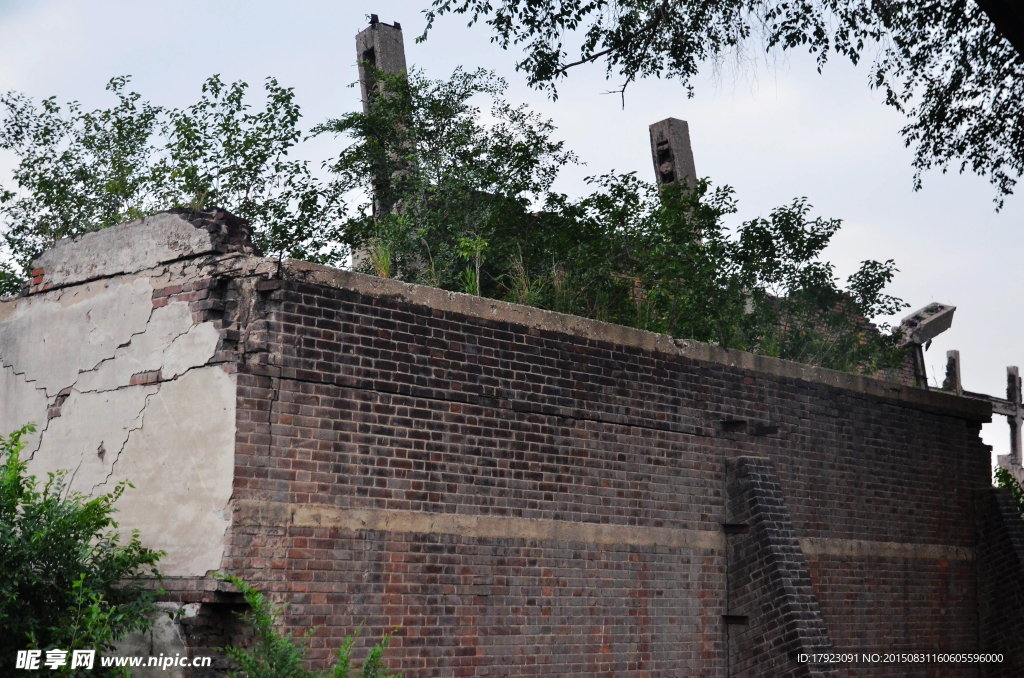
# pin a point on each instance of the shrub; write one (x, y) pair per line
(67, 583)
(1005, 480)
(280, 655)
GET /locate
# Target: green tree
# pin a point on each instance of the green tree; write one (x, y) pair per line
(218, 152)
(68, 582)
(941, 62)
(80, 171)
(445, 183)
(469, 207)
(439, 176)
(77, 171)
(1006, 481)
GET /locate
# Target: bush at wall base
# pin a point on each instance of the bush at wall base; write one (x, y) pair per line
(279, 655)
(68, 582)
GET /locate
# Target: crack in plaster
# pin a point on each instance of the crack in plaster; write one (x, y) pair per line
(163, 362)
(94, 368)
(51, 400)
(40, 429)
(140, 419)
(52, 313)
(39, 442)
(72, 481)
(24, 378)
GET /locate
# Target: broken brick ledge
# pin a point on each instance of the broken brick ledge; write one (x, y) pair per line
(539, 320)
(139, 245)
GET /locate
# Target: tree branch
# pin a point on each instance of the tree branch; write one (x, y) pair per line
(660, 15)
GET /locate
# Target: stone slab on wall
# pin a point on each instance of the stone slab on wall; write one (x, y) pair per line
(138, 246)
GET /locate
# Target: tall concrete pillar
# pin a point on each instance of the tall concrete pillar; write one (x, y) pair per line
(672, 154)
(380, 45)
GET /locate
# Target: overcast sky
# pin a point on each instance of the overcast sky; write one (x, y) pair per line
(773, 132)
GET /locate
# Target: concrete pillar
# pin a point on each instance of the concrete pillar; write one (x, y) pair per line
(672, 154)
(380, 45)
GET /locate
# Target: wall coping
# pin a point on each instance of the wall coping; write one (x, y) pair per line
(970, 409)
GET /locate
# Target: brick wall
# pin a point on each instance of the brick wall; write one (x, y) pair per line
(774, 616)
(548, 498)
(1001, 587)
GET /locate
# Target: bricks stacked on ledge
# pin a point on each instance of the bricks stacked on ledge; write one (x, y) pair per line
(524, 492)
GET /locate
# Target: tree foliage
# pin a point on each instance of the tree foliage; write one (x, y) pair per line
(1006, 481)
(469, 206)
(443, 182)
(81, 170)
(941, 62)
(68, 582)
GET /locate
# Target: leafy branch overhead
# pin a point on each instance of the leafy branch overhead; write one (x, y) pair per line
(445, 183)
(941, 62)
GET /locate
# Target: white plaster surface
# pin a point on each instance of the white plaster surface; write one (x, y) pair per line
(75, 350)
(170, 337)
(126, 248)
(89, 435)
(50, 339)
(181, 462)
(20, 403)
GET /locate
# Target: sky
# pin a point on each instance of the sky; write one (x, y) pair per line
(773, 130)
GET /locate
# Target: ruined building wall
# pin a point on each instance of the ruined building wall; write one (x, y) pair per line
(544, 495)
(528, 493)
(114, 359)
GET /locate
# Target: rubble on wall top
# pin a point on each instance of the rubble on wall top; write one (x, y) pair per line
(234, 233)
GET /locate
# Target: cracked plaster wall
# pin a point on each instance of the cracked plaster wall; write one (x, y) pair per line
(70, 361)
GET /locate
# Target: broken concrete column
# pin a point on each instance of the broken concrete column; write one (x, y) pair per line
(917, 331)
(672, 154)
(952, 381)
(379, 46)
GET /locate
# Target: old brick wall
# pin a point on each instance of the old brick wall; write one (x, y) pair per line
(774, 616)
(1000, 585)
(522, 492)
(535, 495)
